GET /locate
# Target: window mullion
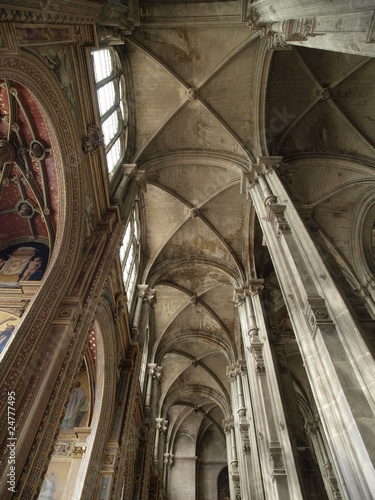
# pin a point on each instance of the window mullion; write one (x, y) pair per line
(114, 139)
(109, 111)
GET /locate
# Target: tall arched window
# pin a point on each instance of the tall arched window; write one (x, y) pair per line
(110, 89)
(129, 254)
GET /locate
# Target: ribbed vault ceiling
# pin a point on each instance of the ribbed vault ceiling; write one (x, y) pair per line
(198, 114)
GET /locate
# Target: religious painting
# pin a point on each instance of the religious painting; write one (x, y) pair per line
(55, 480)
(23, 262)
(77, 411)
(223, 485)
(8, 324)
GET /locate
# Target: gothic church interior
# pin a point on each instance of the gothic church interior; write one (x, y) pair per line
(187, 249)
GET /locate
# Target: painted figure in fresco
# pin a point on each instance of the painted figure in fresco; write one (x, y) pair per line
(48, 487)
(5, 335)
(22, 262)
(16, 264)
(34, 265)
(75, 406)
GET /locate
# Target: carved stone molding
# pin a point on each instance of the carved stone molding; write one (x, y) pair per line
(76, 451)
(257, 351)
(332, 480)
(244, 429)
(250, 14)
(92, 140)
(228, 425)
(317, 314)
(192, 93)
(231, 374)
(276, 459)
(275, 215)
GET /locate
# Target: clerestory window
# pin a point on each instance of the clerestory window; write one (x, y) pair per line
(129, 255)
(111, 95)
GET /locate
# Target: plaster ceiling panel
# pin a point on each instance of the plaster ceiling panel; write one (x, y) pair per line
(165, 208)
(192, 397)
(220, 301)
(193, 346)
(40, 226)
(194, 183)
(217, 364)
(217, 414)
(334, 215)
(229, 94)
(327, 66)
(194, 127)
(325, 130)
(290, 90)
(194, 279)
(185, 12)
(168, 304)
(173, 366)
(228, 222)
(196, 319)
(189, 426)
(312, 182)
(193, 53)
(13, 226)
(156, 93)
(197, 376)
(195, 238)
(10, 197)
(356, 97)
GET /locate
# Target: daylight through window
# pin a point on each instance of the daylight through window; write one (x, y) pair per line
(110, 86)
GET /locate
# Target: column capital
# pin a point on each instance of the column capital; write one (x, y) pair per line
(239, 296)
(228, 425)
(158, 372)
(151, 368)
(240, 366)
(231, 373)
(159, 421)
(266, 164)
(255, 287)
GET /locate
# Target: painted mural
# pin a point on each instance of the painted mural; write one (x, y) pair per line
(8, 325)
(55, 480)
(23, 262)
(77, 411)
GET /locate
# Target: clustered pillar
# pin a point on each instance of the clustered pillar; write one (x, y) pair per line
(334, 346)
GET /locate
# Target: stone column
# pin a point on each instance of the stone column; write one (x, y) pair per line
(161, 427)
(234, 477)
(329, 474)
(128, 171)
(279, 469)
(145, 294)
(242, 429)
(333, 345)
(151, 372)
(168, 462)
(293, 422)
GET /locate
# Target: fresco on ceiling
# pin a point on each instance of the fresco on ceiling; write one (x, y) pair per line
(23, 262)
(8, 324)
(77, 411)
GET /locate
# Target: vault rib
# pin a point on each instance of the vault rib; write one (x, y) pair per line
(228, 58)
(186, 219)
